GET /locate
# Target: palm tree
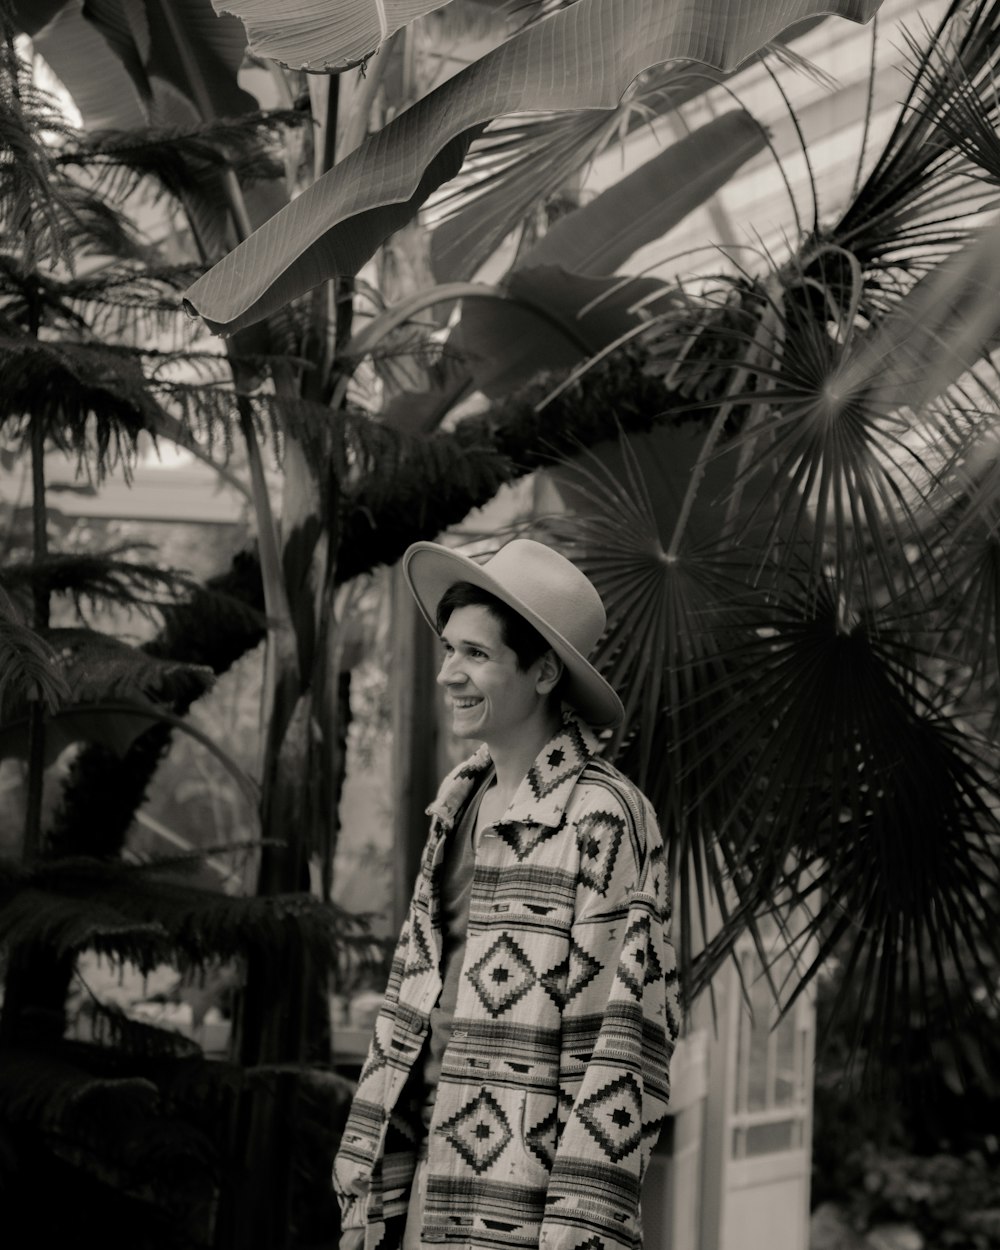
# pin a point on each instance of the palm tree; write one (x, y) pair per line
(803, 583)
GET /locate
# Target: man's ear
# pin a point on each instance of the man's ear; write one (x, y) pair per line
(550, 669)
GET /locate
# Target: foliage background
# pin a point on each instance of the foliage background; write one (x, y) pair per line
(817, 560)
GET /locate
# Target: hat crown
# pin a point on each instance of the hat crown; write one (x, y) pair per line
(553, 588)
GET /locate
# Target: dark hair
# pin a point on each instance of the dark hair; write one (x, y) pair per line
(522, 638)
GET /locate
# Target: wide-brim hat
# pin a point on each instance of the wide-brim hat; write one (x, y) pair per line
(548, 590)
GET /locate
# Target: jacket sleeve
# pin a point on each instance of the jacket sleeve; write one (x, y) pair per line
(620, 1023)
(356, 1156)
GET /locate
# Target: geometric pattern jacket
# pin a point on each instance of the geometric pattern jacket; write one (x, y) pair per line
(555, 1080)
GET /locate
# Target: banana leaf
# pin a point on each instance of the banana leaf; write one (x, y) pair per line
(584, 56)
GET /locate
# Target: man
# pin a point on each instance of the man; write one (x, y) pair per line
(518, 1075)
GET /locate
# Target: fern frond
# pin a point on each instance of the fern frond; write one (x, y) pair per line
(110, 1026)
(28, 209)
(108, 1122)
(180, 160)
(46, 1091)
(128, 913)
(29, 669)
(99, 578)
(420, 486)
(98, 668)
(93, 398)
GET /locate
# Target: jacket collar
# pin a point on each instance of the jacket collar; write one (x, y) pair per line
(542, 796)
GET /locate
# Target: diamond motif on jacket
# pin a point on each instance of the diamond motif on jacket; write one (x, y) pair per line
(479, 1132)
(560, 764)
(571, 975)
(523, 839)
(503, 976)
(613, 1117)
(598, 836)
(639, 964)
(418, 956)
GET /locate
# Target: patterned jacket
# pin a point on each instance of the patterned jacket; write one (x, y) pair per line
(555, 1081)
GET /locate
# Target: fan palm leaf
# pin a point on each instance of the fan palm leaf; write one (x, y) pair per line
(867, 792)
(919, 201)
(672, 616)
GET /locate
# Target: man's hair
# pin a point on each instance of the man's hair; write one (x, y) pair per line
(522, 638)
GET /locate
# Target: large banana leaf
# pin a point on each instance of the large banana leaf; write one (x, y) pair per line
(175, 58)
(326, 37)
(547, 319)
(32, 16)
(557, 306)
(521, 161)
(181, 56)
(581, 57)
(82, 60)
(652, 199)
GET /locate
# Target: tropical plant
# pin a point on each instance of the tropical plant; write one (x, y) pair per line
(802, 583)
(135, 1127)
(842, 581)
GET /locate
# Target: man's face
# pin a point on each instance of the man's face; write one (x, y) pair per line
(491, 698)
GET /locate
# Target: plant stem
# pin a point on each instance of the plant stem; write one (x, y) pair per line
(40, 595)
(199, 92)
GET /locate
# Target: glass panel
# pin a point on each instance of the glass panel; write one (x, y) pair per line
(765, 1139)
(742, 1059)
(786, 1077)
(757, 1090)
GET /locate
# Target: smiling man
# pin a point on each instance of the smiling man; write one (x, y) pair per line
(518, 1074)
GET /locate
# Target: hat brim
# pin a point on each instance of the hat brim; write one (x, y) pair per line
(430, 569)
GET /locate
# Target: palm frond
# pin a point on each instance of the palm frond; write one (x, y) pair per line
(864, 802)
(964, 111)
(924, 184)
(852, 472)
(671, 623)
(970, 595)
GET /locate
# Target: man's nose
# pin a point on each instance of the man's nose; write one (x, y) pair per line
(449, 673)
